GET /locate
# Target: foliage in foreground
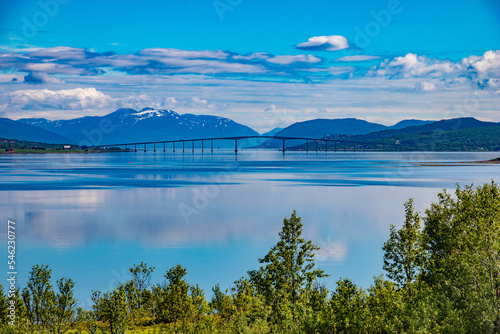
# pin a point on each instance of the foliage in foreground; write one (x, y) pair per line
(443, 277)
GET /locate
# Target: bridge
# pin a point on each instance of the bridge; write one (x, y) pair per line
(323, 141)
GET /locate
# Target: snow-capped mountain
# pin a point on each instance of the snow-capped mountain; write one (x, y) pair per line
(148, 124)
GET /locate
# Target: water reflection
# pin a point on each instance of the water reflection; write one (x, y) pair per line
(91, 216)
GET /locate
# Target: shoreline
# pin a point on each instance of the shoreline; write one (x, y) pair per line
(461, 163)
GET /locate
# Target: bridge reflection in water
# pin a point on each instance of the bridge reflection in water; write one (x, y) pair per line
(318, 144)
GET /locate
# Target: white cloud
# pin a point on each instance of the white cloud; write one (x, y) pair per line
(187, 54)
(145, 101)
(75, 99)
(199, 101)
(485, 66)
(272, 107)
(426, 86)
(412, 65)
(255, 55)
(60, 52)
(287, 60)
(358, 58)
(328, 43)
(331, 251)
(482, 71)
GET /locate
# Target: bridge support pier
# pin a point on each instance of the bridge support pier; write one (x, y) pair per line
(202, 146)
(192, 147)
(135, 147)
(182, 146)
(307, 146)
(316, 146)
(154, 147)
(212, 146)
(144, 147)
(283, 146)
(173, 147)
(236, 146)
(163, 146)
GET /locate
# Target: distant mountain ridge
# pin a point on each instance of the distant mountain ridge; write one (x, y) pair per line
(318, 128)
(442, 125)
(148, 124)
(20, 131)
(457, 134)
(409, 122)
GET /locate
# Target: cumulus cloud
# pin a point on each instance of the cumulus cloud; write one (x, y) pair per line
(36, 78)
(358, 58)
(324, 43)
(485, 66)
(74, 99)
(480, 71)
(412, 65)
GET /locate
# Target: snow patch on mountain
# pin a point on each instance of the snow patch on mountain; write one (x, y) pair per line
(150, 112)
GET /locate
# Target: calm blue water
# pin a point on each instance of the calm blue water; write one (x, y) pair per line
(91, 217)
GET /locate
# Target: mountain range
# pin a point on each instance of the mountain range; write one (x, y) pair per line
(457, 134)
(148, 124)
(318, 128)
(10, 129)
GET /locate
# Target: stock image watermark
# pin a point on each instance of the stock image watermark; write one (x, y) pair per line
(373, 28)
(12, 271)
(221, 7)
(203, 195)
(32, 25)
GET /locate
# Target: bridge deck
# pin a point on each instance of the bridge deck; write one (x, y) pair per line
(236, 138)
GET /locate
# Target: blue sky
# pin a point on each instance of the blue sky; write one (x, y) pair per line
(261, 63)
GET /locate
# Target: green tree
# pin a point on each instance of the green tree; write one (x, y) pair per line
(386, 306)
(348, 304)
(39, 297)
(222, 304)
(139, 295)
(110, 307)
(289, 271)
(22, 323)
(173, 303)
(4, 304)
(199, 305)
(403, 252)
(64, 311)
(462, 237)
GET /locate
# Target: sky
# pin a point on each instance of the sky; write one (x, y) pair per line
(265, 64)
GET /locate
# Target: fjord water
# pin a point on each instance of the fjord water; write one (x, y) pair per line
(90, 217)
